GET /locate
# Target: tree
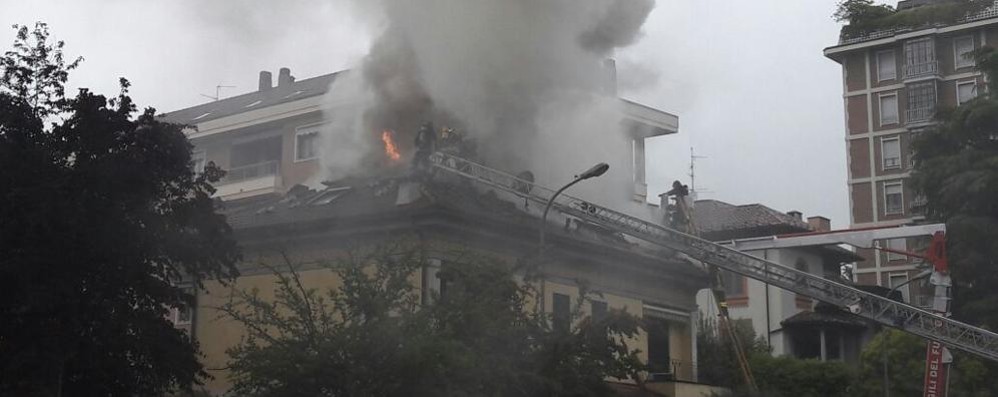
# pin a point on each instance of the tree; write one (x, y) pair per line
(373, 336)
(101, 216)
(863, 16)
(956, 170)
(969, 375)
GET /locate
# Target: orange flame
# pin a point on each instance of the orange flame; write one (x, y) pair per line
(388, 137)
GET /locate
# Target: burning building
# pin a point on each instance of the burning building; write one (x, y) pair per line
(268, 141)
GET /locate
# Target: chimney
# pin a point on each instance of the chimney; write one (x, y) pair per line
(284, 78)
(266, 80)
(797, 215)
(610, 74)
(819, 223)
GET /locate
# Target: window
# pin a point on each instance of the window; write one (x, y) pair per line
(434, 287)
(888, 109)
(890, 151)
(598, 310)
(920, 58)
(198, 161)
(254, 159)
(896, 279)
(658, 345)
(562, 308)
(921, 101)
(898, 244)
(893, 198)
(734, 284)
(963, 49)
(886, 66)
(185, 313)
(965, 91)
(307, 143)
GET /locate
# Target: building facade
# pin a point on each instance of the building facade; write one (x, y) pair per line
(266, 140)
(894, 82)
(792, 324)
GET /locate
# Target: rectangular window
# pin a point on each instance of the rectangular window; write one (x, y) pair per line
(893, 198)
(598, 310)
(890, 150)
(562, 308)
(433, 287)
(198, 161)
(888, 109)
(965, 91)
(920, 58)
(886, 66)
(307, 143)
(185, 313)
(658, 345)
(963, 52)
(734, 283)
(896, 279)
(921, 102)
(898, 244)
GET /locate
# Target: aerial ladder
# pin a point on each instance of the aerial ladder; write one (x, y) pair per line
(692, 249)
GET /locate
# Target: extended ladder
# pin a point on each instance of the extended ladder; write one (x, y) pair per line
(874, 307)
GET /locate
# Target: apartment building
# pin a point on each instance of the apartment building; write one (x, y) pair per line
(894, 82)
(267, 142)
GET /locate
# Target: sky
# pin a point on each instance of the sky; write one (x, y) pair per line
(754, 94)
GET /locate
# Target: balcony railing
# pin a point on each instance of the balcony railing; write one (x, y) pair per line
(990, 12)
(919, 115)
(923, 69)
(892, 163)
(252, 171)
(916, 206)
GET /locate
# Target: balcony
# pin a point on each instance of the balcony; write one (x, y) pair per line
(916, 206)
(249, 180)
(920, 70)
(919, 115)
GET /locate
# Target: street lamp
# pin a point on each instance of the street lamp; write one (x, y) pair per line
(595, 171)
(883, 340)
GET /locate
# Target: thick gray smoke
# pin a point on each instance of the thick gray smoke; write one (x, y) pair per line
(524, 78)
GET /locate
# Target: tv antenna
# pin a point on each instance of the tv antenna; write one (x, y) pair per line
(218, 92)
(693, 179)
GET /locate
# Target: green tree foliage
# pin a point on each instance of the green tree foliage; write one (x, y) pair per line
(956, 169)
(100, 213)
(373, 337)
(863, 16)
(969, 375)
(774, 376)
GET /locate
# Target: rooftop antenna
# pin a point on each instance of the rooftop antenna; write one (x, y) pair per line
(218, 91)
(693, 180)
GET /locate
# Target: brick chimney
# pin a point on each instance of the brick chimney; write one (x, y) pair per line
(266, 80)
(819, 223)
(284, 78)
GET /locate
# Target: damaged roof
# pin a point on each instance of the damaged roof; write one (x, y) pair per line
(717, 220)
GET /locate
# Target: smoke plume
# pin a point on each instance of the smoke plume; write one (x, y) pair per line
(525, 78)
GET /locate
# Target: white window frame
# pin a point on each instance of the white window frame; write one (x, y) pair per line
(883, 157)
(959, 62)
(200, 160)
(905, 290)
(894, 74)
(962, 83)
(306, 130)
(897, 108)
(891, 184)
(900, 244)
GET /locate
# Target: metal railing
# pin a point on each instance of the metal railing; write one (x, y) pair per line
(698, 251)
(990, 12)
(919, 115)
(892, 163)
(252, 171)
(922, 69)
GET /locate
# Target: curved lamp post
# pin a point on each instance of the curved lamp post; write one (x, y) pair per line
(883, 341)
(595, 171)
